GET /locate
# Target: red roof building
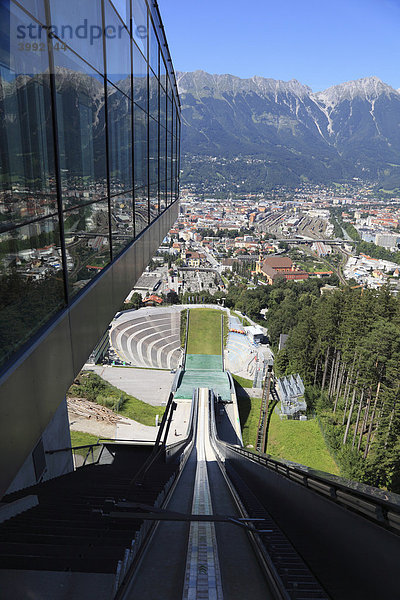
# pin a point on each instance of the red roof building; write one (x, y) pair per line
(152, 299)
(274, 267)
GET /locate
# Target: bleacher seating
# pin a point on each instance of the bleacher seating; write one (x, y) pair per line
(148, 338)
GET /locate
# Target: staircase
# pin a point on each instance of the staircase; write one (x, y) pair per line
(70, 530)
(269, 398)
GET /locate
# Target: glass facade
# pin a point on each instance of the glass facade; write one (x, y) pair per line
(89, 148)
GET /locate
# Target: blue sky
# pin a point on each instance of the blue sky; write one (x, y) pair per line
(319, 42)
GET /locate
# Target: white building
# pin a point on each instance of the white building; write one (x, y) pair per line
(386, 240)
(255, 334)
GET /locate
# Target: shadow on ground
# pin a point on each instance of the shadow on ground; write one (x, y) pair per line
(244, 403)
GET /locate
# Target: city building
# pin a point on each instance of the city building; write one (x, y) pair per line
(386, 240)
(255, 334)
(274, 267)
(89, 164)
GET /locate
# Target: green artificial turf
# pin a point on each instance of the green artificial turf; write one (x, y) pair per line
(204, 335)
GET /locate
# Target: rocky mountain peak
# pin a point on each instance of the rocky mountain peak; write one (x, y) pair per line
(200, 80)
(367, 88)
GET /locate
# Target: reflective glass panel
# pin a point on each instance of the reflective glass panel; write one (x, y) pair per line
(174, 117)
(140, 147)
(118, 50)
(163, 142)
(141, 210)
(169, 114)
(163, 108)
(139, 79)
(139, 24)
(124, 9)
(121, 222)
(87, 243)
(153, 50)
(36, 8)
(153, 201)
(81, 130)
(163, 195)
(153, 95)
(31, 282)
(27, 176)
(119, 141)
(153, 151)
(169, 158)
(163, 73)
(78, 24)
(175, 169)
(168, 192)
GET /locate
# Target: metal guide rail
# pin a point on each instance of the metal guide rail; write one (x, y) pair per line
(378, 505)
(203, 575)
(289, 576)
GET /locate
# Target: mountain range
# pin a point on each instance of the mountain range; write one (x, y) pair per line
(254, 134)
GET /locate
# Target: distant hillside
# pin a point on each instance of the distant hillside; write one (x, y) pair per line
(252, 134)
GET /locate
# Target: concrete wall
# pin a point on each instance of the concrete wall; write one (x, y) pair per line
(56, 435)
(33, 388)
(351, 556)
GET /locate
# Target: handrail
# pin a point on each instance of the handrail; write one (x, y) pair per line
(173, 448)
(186, 339)
(132, 558)
(222, 341)
(364, 491)
(379, 505)
(128, 440)
(158, 445)
(72, 448)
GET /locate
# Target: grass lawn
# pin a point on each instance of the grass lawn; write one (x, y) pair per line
(204, 331)
(91, 386)
(81, 438)
(244, 321)
(300, 441)
(245, 383)
(141, 411)
(249, 414)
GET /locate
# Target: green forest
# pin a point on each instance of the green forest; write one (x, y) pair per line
(346, 346)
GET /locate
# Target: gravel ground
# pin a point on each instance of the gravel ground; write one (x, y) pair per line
(90, 426)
